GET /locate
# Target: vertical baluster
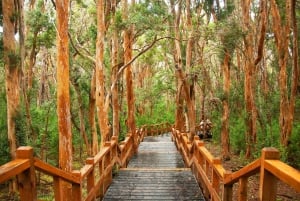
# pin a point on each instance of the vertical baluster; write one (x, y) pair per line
(91, 177)
(242, 191)
(227, 191)
(215, 177)
(76, 188)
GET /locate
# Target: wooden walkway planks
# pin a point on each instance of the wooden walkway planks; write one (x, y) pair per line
(156, 173)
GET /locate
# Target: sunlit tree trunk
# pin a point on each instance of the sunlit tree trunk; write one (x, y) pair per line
(102, 108)
(128, 42)
(114, 62)
(249, 80)
(12, 75)
(63, 98)
(182, 83)
(179, 115)
(92, 121)
(191, 83)
(225, 140)
(282, 32)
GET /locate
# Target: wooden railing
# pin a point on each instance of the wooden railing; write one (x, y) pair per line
(91, 181)
(217, 182)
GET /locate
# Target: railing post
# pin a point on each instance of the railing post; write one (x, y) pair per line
(76, 188)
(107, 171)
(268, 182)
(91, 177)
(243, 188)
(26, 180)
(227, 191)
(215, 177)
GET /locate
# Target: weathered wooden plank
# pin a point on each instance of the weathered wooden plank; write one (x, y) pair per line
(55, 172)
(284, 172)
(13, 168)
(156, 173)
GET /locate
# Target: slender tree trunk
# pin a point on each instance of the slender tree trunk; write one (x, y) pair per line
(102, 108)
(63, 98)
(179, 116)
(287, 103)
(115, 69)
(225, 140)
(92, 121)
(249, 80)
(181, 76)
(191, 83)
(128, 42)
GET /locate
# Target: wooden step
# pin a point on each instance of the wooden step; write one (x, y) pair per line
(156, 172)
(154, 185)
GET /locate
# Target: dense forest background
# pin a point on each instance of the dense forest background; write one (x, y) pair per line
(234, 62)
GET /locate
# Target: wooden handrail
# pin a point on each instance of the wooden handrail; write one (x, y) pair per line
(284, 172)
(247, 171)
(13, 168)
(97, 171)
(217, 182)
(55, 172)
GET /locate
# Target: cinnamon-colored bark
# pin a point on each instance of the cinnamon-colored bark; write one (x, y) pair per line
(63, 97)
(92, 121)
(101, 107)
(128, 42)
(249, 82)
(115, 90)
(225, 140)
(282, 31)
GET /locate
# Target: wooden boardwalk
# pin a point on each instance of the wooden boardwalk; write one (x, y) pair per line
(156, 173)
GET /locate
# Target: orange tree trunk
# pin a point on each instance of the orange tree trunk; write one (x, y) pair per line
(114, 63)
(92, 121)
(100, 82)
(287, 103)
(225, 140)
(63, 98)
(128, 74)
(181, 77)
(249, 80)
(12, 71)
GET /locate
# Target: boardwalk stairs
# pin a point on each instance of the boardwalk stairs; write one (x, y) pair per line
(156, 172)
(152, 168)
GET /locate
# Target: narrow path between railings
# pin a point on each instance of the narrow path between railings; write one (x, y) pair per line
(156, 172)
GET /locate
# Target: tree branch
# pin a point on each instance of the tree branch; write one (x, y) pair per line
(93, 60)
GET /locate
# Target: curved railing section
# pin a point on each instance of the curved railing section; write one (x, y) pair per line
(91, 181)
(217, 182)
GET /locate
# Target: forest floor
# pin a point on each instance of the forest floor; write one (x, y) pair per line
(284, 192)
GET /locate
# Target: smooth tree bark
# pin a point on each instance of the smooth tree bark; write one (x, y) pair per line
(225, 140)
(188, 66)
(12, 72)
(63, 99)
(249, 82)
(183, 86)
(179, 115)
(92, 116)
(101, 104)
(282, 31)
(127, 46)
(115, 68)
